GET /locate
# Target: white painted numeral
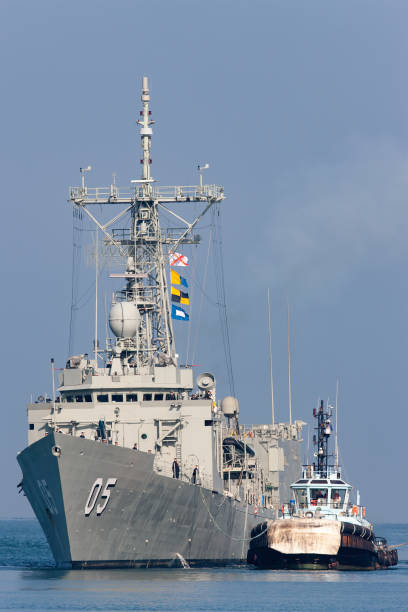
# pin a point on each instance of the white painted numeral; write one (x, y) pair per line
(94, 494)
(106, 494)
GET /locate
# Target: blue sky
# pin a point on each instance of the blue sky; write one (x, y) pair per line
(300, 108)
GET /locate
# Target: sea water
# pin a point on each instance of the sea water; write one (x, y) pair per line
(29, 581)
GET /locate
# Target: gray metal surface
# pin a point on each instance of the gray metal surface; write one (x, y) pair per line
(100, 502)
(148, 518)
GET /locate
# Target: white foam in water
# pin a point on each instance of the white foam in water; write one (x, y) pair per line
(183, 561)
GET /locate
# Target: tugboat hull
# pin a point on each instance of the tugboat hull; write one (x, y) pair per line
(316, 544)
(346, 559)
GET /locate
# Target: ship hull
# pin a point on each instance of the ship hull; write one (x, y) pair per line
(317, 544)
(105, 506)
(346, 559)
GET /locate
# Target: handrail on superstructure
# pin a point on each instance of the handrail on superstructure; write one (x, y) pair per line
(173, 193)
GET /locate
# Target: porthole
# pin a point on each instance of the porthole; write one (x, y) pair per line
(143, 436)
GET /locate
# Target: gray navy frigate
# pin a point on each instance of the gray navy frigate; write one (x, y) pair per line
(100, 467)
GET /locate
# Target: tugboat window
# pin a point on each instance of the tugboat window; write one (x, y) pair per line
(337, 497)
(103, 398)
(117, 397)
(88, 398)
(318, 496)
(79, 398)
(301, 498)
(158, 396)
(147, 397)
(143, 436)
(70, 399)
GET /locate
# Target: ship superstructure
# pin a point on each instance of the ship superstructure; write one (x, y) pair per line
(134, 462)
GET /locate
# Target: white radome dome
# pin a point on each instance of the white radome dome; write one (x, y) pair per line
(230, 406)
(124, 319)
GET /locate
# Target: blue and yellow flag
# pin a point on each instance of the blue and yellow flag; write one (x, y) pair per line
(179, 296)
(177, 279)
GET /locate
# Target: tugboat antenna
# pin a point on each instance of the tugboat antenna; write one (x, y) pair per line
(270, 358)
(336, 439)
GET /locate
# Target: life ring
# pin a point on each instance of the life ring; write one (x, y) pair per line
(309, 514)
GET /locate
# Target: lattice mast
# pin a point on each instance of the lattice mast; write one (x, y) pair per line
(140, 315)
(147, 285)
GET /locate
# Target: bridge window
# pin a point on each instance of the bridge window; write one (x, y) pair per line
(103, 398)
(301, 497)
(318, 497)
(147, 397)
(88, 398)
(158, 396)
(79, 398)
(337, 497)
(131, 397)
(70, 399)
(117, 397)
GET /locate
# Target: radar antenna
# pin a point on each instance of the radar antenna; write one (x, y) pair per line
(140, 316)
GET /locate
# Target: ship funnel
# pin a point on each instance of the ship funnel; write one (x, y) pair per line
(124, 319)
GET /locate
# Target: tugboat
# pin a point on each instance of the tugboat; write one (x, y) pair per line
(320, 528)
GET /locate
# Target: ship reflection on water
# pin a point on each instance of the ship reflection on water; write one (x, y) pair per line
(192, 590)
(147, 579)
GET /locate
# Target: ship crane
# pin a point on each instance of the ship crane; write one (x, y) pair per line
(140, 314)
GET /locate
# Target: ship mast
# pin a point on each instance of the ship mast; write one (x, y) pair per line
(321, 441)
(140, 316)
(146, 272)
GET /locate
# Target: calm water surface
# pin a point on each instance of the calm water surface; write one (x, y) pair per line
(28, 581)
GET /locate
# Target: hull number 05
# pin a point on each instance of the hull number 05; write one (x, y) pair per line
(94, 495)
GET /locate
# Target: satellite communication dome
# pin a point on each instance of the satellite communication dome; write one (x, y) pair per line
(124, 319)
(230, 406)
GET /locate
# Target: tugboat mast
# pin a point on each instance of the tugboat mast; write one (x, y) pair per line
(324, 430)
